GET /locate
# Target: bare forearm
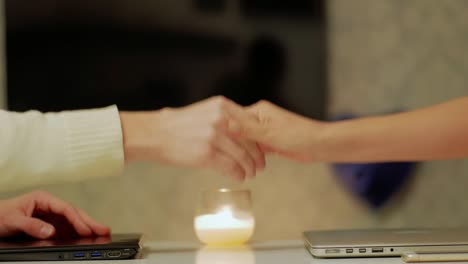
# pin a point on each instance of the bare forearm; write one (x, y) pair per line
(437, 132)
(137, 129)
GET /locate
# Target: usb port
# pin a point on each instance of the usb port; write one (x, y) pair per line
(79, 255)
(362, 250)
(96, 254)
(349, 250)
(377, 250)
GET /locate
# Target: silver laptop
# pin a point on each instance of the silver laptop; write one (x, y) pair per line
(384, 242)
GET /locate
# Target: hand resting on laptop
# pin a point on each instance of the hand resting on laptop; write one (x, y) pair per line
(41, 215)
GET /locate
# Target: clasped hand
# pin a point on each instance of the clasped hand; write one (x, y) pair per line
(215, 133)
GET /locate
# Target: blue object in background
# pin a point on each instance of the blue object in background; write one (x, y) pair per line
(375, 183)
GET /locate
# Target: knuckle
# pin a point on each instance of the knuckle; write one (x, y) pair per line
(219, 99)
(263, 104)
(68, 210)
(221, 102)
(40, 194)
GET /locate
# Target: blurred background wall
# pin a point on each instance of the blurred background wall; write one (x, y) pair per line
(383, 55)
(153, 54)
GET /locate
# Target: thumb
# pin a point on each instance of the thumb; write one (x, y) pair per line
(30, 225)
(242, 123)
(249, 127)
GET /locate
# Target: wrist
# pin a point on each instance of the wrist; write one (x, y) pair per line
(318, 134)
(138, 128)
(127, 121)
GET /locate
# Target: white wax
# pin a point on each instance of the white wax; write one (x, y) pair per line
(224, 228)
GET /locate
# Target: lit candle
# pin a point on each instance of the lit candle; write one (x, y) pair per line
(224, 227)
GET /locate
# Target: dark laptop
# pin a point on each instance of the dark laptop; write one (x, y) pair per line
(117, 246)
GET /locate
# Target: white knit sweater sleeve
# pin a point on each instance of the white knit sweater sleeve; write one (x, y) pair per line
(38, 148)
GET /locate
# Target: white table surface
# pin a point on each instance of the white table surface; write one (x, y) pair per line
(272, 252)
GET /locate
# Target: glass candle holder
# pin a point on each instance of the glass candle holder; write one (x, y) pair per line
(227, 255)
(224, 217)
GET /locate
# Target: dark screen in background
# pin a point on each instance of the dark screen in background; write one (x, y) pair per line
(150, 54)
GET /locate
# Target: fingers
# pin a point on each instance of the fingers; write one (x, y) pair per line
(255, 152)
(49, 203)
(231, 148)
(228, 166)
(244, 123)
(235, 138)
(29, 225)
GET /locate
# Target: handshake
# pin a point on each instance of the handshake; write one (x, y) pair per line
(219, 134)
